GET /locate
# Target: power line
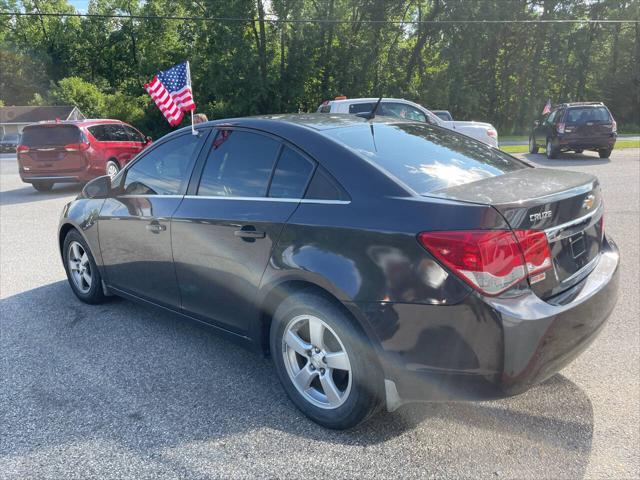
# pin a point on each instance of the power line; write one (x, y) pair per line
(314, 20)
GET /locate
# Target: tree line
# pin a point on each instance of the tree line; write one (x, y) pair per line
(250, 64)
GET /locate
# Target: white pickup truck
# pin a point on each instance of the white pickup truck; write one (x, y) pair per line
(401, 108)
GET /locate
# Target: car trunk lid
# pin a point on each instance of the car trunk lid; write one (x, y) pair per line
(567, 206)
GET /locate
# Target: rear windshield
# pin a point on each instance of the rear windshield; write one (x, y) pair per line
(583, 115)
(424, 157)
(50, 135)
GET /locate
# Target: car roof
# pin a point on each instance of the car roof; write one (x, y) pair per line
(79, 123)
(314, 121)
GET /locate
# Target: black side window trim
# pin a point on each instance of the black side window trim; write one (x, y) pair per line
(196, 176)
(159, 143)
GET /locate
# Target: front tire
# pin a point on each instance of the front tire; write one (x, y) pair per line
(606, 153)
(551, 152)
(82, 272)
(533, 148)
(43, 186)
(325, 363)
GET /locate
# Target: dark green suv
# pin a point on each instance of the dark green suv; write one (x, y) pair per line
(575, 126)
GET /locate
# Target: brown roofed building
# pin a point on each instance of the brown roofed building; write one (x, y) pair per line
(14, 118)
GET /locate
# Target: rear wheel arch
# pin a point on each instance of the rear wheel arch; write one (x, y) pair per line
(280, 292)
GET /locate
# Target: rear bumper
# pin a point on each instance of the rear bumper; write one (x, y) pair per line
(52, 178)
(588, 143)
(490, 348)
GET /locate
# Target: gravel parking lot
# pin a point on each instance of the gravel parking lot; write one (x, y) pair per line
(121, 391)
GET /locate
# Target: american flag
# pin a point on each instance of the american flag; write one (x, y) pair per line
(171, 90)
(547, 107)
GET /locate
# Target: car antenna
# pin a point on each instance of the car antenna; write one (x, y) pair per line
(372, 114)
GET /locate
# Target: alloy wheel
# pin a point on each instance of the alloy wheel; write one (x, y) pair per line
(112, 169)
(79, 267)
(316, 361)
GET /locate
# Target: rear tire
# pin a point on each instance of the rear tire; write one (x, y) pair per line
(325, 363)
(43, 186)
(604, 153)
(82, 272)
(551, 152)
(533, 148)
(112, 168)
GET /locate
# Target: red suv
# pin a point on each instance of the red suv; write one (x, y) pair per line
(75, 151)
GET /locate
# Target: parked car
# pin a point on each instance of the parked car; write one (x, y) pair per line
(76, 151)
(8, 143)
(400, 108)
(379, 262)
(575, 126)
(443, 115)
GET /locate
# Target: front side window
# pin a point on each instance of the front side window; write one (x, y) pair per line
(133, 134)
(239, 165)
(549, 119)
(402, 110)
(165, 169)
(291, 175)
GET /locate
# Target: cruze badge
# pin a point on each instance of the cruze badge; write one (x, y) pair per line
(588, 202)
(536, 217)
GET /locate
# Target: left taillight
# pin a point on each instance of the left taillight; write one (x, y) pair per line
(560, 127)
(22, 149)
(77, 147)
(491, 261)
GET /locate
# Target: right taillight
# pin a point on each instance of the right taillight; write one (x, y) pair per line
(614, 126)
(491, 261)
(22, 149)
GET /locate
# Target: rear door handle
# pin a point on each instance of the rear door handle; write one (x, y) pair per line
(155, 227)
(249, 234)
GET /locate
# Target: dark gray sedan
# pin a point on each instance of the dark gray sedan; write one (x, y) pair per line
(377, 261)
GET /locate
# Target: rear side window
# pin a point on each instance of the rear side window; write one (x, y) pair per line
(423, 157)
(324, 187)
(116, 133)
(360, 107)
(584, 115)
(50, 135)
(164, 170)
(325, 108)
(291, 176)
(239, 165)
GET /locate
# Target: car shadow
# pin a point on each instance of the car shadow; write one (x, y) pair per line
(565, 159)
(142, 378)
(28, 194)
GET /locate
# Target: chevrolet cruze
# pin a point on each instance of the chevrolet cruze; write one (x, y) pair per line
(377, 261)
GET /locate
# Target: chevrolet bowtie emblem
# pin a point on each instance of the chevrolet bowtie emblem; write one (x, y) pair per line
(588, 202)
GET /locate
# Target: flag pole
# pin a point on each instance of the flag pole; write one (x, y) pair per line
(193, 128)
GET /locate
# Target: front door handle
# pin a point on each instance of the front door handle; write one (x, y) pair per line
(249, 234)
(155, 227)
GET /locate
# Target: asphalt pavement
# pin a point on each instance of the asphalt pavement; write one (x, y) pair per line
(122, 391)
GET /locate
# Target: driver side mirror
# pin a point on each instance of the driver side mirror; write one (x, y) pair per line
(98, 187)
(536, 123)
